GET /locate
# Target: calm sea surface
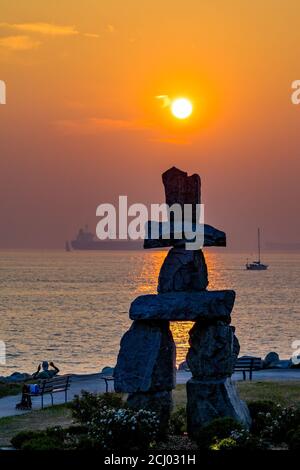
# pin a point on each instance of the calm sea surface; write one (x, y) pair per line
(72, 308)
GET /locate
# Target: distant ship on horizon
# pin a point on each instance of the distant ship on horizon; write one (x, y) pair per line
(85, 240)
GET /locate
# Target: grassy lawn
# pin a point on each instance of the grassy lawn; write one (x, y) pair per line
(59, 415)
(285, 393)
(9, 389)
(12, 388)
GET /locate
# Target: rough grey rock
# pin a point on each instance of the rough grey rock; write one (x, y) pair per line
(185, 306)
(16, 377)
(147, 358)
(107, 370)
(281, 364)
(208, 400)
(271, 358)
(158, 402)
(212, 237)
(213, 351)
(235, 347)
(181, 188)
(183, 270)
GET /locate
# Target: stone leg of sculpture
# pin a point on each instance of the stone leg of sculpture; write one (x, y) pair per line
(210, 393)
(208, 400)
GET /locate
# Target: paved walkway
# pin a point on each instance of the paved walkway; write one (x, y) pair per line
(258, 376)
(94, 383)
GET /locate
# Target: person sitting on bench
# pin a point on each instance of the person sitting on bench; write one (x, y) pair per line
(46, 373)
(25, 403)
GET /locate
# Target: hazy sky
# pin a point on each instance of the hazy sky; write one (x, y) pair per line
(82, 124)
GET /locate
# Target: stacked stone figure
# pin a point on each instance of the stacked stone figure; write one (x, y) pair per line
(146, 366)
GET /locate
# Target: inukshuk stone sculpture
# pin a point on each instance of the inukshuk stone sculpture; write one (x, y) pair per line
(146, 363)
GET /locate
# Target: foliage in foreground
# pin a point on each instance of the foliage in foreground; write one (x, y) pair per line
(294, 439)
(8, 389)
(178, 421)
(55, 438)
(111, 424)
(117, 429)
(216, 431)
(274, 423)
(105, 422)
(84, 407)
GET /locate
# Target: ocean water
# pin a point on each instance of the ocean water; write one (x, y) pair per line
(72, 308)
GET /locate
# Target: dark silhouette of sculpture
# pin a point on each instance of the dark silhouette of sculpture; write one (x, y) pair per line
(146, 363)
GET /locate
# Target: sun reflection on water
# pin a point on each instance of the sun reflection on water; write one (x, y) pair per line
(150, 272)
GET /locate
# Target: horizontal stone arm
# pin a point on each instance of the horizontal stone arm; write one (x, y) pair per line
(184, 306)
(212, 236)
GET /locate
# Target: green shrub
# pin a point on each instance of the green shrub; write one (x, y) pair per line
(85, 406)
(178, 421)
(294, 439)
(19, 439)
(239, 440)
(77, 437)
(110, 424)
(225, 444)
(51, 439)
(272, 422)
(44, 443)
(85, 442)
(286, 421)
(261, 412)
(56, 432)
(10, 388)
(265, 406)
(76, 430)
(216, 430)
(117, 429)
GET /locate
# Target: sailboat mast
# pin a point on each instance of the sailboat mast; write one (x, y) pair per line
(258, 239)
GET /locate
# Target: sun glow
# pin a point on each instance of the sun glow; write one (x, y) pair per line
(181, 108)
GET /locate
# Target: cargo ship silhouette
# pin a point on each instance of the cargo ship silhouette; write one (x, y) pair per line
(86, 240)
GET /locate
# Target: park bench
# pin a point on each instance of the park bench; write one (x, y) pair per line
(107, 379)
(248, 364)
(59, 384)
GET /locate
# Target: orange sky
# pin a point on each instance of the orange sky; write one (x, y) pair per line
(82, 124)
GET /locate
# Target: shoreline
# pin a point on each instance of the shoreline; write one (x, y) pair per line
(93, 383)
(283, 364)
(182, 376)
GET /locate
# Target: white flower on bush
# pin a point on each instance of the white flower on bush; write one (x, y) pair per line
(240, 436)
(113, 426)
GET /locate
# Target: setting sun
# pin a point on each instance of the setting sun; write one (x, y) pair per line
(181, 108)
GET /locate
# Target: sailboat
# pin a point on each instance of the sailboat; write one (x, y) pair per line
(257, 265)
